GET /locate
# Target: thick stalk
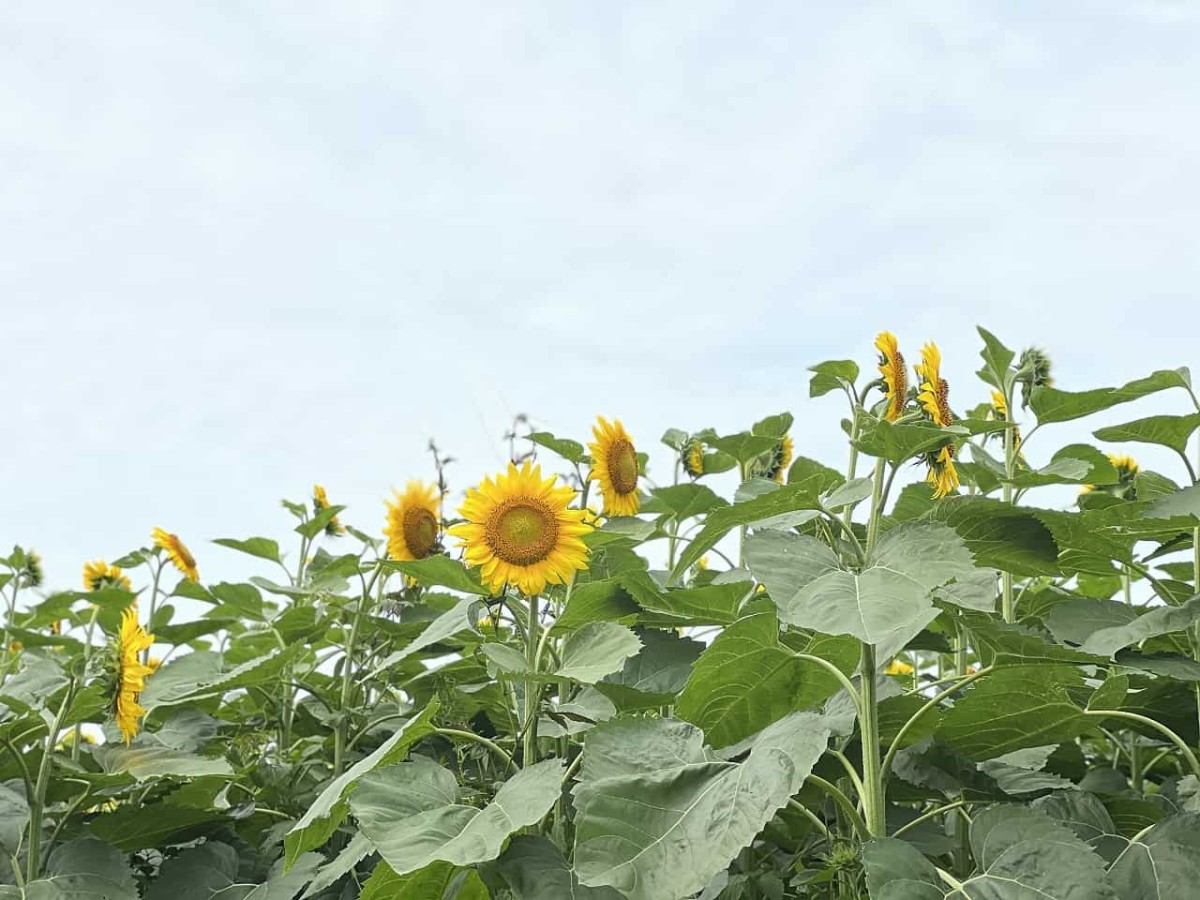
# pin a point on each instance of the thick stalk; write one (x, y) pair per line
(873, 793)
(153, 608)
(343, 728)
(37, 808)
(1157, 726)
(1196, 626)
(532, 693)
(1007, 607)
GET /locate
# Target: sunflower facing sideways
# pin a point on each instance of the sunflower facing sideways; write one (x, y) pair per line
(333, 527)
(615, 466)
(177, 552)
(99, 574)
(413, 527)
(934, 398)
(520, 530)
(131, 674)
(895, 375)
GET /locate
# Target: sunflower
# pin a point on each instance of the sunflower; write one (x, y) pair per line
(693, 458)
(179, 554)
(942, 474)
(898, 667)
(615, 466)
(413, 522)
(521, 530)
(1000, 414)
(895, 376)
(1125, 487)
(1033, 370)
(934, 393)
(333, 527)
(780, 459)
(32, 571)
(132, 640)
(99, 574)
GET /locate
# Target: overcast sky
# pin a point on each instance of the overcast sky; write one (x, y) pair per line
(246, 247)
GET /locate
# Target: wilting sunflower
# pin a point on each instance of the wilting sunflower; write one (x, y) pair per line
(131, 674)
(179, 554)
(942, 474)
(99, 574)
(521, 530)
(693, 458)
(333, 527)
(895, 375)
(32, 571)
(413, 527)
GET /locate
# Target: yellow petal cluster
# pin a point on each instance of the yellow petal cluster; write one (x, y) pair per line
(177, 552)
(615, 466)
(132, 641)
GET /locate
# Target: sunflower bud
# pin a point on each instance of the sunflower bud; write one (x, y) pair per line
(1033, 370)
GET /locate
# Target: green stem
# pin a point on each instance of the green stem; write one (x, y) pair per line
(876, 504)
(480, 739)
(532, 692)
(873, 787)
(843, 803)
(930, 704)
(837, 673)
(37, 808)
(1150, 723)
(812, 817)
(925, 817)
(343, 727)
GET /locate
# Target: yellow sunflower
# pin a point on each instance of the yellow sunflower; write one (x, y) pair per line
(132, 640)
(895, 375)
(934, 393)
(99, 574)
(615, 466)
(1127, 470)
(179, 554)
(521, 530)
(413, 522)
(898, 667)
(781, 458)
(942, 474)
(693, 458)
(333, 527)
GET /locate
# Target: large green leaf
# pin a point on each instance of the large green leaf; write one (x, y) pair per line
(656, 674)
(682, 501)
(1025, 855)
(1185, 503)
(1162, 864)
(198, 873)
(413, 815)
(535, 870)
(747, 679)
(889, 600)
(263, 548)
(997, 360)
(831, 375)
(85, 869)
(710, 604)
(144, 762)
(359, 848)
(898, 442)
(594, 651)
(1052, 405)
(330, 808)
(1167, 431)
(896, 870)
(658, 815)
(1014, 708)
(1107, 639)
(185, 680)
(440, 571)
(462, 617)
(1001, 535)
(439, 881)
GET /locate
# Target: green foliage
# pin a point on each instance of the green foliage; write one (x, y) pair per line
(833, 684)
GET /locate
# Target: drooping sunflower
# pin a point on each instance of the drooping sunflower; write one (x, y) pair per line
(615, 466)
(895, 375)
(413, 527)
(942, 474)
(177, 552)
(521, 530)
(99, 574)
(131, 674)
(1033, 370)
(333, 527)
(693, 458)
(32, 571)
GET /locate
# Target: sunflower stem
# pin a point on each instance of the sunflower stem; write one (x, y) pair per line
(153, 607)
(1007, 607)
(37, 808)
(873, 796)
(532, 695)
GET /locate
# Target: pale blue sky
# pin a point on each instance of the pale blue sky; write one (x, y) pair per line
(251, 246)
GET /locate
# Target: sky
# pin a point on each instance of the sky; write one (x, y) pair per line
(250, 247)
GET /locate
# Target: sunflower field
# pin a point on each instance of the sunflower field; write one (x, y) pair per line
(961, 661)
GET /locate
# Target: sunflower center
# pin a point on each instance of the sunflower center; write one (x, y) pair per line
(623, 466)
(522, 531)
(943, 403)
(420, 531)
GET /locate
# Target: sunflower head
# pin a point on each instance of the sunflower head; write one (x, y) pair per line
(1033, 370)
(56, 627)
(520, 530)
(942, 474)
(615, 466)
(320, 502)
(414, 522)
(774, 463)
(693, 457)
(99, 574)
(898, 667)
(31, 573)
(999, 412)
(177, 552)
(130, 674)
(934, 393)
(895, 375)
